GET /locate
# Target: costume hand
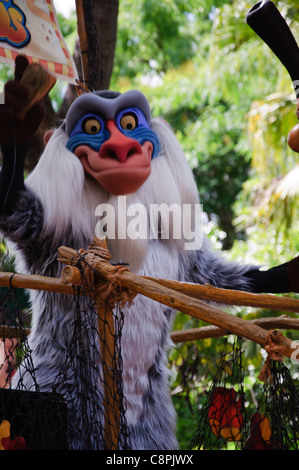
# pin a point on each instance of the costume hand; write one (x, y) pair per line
(293, 273)
(280, 279)
(16, 95)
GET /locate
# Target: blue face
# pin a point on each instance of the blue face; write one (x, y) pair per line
(90, 129)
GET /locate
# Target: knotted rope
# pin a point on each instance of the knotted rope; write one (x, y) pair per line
(113, 291)
(276, 350)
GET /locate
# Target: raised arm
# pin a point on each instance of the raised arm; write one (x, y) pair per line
(15, 137)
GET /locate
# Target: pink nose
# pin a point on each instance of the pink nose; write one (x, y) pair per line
(118, 146)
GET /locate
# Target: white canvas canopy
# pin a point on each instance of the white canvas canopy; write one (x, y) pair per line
(30, 27)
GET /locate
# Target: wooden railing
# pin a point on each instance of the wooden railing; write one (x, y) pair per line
(117, 285)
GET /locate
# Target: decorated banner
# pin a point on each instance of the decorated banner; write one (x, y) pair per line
(30, 27)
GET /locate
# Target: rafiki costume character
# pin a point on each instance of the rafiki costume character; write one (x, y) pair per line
(109, 146)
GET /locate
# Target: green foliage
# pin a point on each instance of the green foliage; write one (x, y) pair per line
(228, 99)
(68, 27)
(229, 103)
(6, 73)
(208, 97)
(153, 36)
(8, 265)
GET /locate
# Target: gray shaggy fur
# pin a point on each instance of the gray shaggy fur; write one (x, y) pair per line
(58, 208)
(52, 326)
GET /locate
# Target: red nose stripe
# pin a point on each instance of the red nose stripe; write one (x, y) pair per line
(118, 146)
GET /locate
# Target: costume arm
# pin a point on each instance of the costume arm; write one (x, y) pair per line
(15, 136)
(21, 213)
(12, 175)
(207, 266)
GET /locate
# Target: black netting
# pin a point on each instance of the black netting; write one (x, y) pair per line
(222, 418)
(277, 414)
(29, 419)
(229, 420)
(86, 407)
(14, 345)
(96, 394)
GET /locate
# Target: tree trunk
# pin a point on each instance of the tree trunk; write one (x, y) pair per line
(101, 19)
(103, 16)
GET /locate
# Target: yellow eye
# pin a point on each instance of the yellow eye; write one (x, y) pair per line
(129, 121)
(91, 126)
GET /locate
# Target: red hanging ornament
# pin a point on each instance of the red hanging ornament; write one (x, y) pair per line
(225, 414)
(14, 444)
(260, 433)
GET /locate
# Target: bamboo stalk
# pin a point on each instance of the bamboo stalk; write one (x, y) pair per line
(181, 302)
(204, 332)
(231, 297)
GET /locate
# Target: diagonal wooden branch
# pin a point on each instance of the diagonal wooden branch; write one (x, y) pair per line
(231, 297)
(172, 297)
(180, 301)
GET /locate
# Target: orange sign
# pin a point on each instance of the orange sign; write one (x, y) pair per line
(30, 27)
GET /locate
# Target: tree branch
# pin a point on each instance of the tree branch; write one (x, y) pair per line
(174, 299)
(283, 323)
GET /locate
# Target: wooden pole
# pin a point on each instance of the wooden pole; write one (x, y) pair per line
(169, 293)
(106, 330)
(205, 292)
(64, 285)
(109, 361)
(83, 39)
(31, 281)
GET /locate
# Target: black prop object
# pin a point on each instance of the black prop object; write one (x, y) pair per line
(268, 23)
